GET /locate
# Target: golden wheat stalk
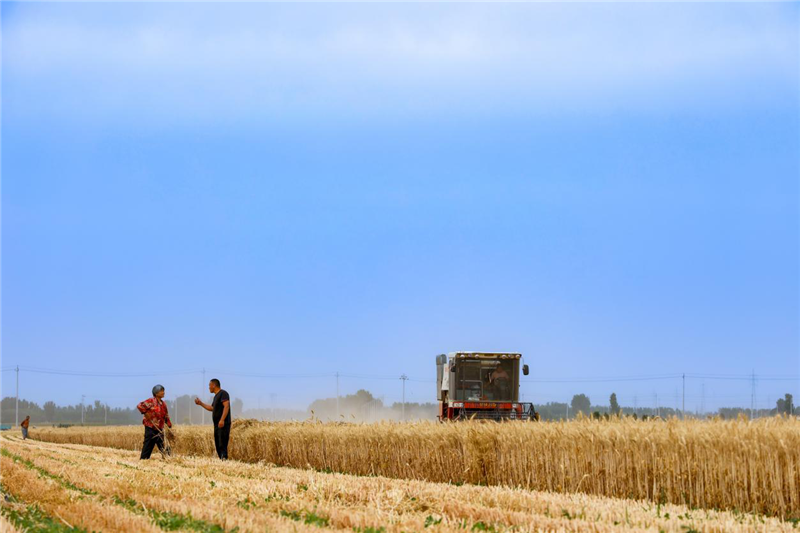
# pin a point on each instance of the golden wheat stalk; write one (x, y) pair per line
(738, 464)
(255, 497)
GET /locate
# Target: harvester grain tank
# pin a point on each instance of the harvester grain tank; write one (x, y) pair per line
(481, 385)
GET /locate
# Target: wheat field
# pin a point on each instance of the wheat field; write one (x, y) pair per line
(69, 487)
(751, 466)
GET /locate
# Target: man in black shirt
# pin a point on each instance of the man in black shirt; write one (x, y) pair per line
(221, 415)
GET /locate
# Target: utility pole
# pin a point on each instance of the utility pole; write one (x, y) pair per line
(658, 411)
(567, 412)
(404, 378)
(337, 396)
(83, 409)
(105, 414)
(683, 400)
(703, 400)
(16, 408)
(203, 410)
(752, 394)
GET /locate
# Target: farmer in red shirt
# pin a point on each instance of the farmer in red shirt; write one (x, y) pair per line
(155, 416)
(25, 424)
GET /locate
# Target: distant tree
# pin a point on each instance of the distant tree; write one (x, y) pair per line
(780, 406)
(50, 411)
(615, 409)
(581, 403)
(237, 406)
(68, 414)
(186, 410)
(552, 410)
(785, 405)
(350, 406)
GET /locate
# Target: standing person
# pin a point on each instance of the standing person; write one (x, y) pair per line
(155, 415)
(25, 423)
(221, 415)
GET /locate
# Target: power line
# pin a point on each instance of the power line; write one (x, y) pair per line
(264, 375)
(105, 374)
(367, 376)
(312, 375)
(603, 379)
(746, 377)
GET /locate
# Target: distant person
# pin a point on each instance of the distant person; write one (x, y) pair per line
(221, 415)
(155, 415)
(24, 425)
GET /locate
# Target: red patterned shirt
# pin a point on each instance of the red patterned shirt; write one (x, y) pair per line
(155, 413)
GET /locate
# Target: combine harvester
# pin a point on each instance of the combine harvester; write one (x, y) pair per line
(481, 385)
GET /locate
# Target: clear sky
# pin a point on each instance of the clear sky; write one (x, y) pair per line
(611, 189)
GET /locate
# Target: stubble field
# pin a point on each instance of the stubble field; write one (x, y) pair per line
(69, 487)
(739, 465)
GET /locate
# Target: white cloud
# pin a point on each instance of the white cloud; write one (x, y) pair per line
(278, 59)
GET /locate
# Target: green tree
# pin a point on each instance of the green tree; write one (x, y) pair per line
(785, 405)
(580, 402)
(50, 411)
(615, 409)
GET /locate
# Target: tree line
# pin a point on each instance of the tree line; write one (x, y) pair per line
(182, 410)
(582, 404)
(362, 406)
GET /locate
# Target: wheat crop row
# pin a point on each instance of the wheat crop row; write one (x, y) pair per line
(95, 489)
(751, 466)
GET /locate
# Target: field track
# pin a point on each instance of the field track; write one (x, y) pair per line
(83, 488)
(735, 465)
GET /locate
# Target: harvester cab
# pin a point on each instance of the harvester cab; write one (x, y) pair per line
(481, 385)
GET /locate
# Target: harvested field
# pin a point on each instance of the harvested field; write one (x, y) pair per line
(5, 526)
(82, 488)
(747, 466)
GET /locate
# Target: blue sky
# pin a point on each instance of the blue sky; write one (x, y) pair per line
(611, 189)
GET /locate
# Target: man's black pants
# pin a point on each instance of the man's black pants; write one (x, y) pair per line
(221, 436)
(152, 438)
